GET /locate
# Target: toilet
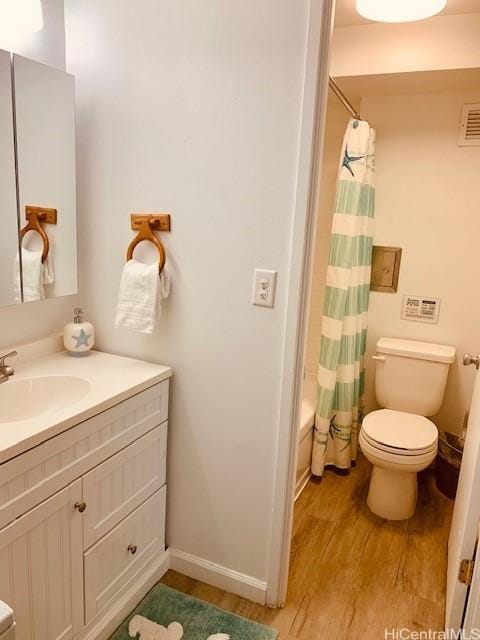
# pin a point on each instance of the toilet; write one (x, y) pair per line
(7, 624)
(399, 440)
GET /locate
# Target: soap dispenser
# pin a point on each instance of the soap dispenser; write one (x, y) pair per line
(78, 336)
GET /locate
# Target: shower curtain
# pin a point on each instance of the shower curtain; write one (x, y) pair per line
(344, 326)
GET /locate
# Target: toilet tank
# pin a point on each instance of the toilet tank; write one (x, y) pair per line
(411, 376)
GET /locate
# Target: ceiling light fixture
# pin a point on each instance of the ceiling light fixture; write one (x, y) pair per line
(399, 10)
(19, 18)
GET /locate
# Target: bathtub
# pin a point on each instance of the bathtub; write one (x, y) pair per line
(305, 433)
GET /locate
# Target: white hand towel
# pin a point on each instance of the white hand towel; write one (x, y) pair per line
(35, 275)
(138, 297)
(48, 272)
(164, 291)
(17, 287)
(32, 275)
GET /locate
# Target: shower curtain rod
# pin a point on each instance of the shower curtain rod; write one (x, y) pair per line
(343, 98)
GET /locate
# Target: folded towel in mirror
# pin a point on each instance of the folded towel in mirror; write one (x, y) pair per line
(35, 275)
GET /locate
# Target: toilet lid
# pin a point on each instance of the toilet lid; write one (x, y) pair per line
(398, 430)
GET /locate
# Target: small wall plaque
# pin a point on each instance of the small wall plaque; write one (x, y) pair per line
(385, 268)
(421, 309)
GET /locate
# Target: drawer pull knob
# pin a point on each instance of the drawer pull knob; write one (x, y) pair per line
(80, 506)
(132, 548)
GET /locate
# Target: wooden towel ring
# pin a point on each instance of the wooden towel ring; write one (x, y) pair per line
(33, 224)
(145, 233)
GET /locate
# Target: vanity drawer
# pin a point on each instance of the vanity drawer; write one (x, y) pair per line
(36, 474)
(118, 486)
(111, 563)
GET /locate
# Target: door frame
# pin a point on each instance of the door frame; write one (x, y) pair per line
(461, 610)
(314, 108)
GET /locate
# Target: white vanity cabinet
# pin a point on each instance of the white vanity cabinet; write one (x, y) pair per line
(41, 568)
(82, 521)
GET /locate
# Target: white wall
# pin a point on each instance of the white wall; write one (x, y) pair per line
(22, 323)
(428, 194)
(336, 122)
(442, 42)
(194, 108)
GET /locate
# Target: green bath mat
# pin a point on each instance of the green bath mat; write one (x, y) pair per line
(167, 614)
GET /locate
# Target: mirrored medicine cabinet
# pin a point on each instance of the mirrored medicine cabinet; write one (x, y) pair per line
(37, 181)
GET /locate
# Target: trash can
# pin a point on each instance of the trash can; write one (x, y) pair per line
(449, 458)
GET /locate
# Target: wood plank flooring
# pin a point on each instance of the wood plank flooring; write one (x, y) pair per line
(352, 574)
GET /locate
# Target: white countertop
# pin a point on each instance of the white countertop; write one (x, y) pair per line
(112, 379)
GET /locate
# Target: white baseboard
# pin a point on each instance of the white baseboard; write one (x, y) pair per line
(302, 482)
(218, 576)
(103, 627)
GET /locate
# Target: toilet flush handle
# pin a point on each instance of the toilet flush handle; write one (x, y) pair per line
(381, 358)
(468, 360)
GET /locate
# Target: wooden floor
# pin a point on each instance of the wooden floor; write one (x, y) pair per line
(352, 574)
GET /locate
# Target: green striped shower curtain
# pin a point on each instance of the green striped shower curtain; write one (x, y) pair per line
(344, 325)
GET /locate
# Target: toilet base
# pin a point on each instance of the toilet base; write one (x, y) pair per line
(392, 494)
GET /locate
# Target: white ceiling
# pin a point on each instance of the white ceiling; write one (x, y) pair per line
(346, 15)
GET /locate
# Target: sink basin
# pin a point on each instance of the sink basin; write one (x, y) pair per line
(32, 397)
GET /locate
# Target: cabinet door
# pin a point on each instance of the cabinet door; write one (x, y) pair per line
(119, 485)
(41, 575)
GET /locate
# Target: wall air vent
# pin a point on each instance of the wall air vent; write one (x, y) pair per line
(469, 133)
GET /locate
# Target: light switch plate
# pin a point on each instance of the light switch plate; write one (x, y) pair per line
(264, 285)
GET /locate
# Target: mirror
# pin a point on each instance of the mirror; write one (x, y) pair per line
(10, 291)
(38, 200)
(45, 124)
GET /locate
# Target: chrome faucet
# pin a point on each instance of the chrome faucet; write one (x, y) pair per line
(6, 371)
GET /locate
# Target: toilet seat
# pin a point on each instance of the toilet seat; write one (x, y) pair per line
(400, 433)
